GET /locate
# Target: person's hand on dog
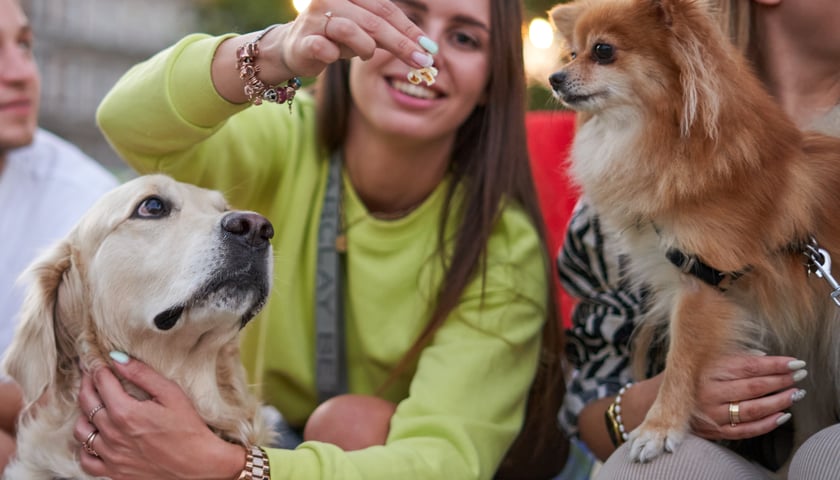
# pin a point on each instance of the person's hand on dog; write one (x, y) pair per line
(328, 30)
(161, 438)
(759, 388)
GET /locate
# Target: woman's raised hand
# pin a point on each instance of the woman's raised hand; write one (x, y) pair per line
(332, 29)
(328, 30)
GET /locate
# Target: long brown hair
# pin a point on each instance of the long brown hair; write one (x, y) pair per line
(491, 151)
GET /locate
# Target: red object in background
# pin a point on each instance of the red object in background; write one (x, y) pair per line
(550, 136)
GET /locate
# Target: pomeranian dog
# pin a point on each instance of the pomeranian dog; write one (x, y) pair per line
(726, 210)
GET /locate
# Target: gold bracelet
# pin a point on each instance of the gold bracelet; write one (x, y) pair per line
(256, 465)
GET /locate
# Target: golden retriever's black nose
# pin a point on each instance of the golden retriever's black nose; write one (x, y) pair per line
(251, 228)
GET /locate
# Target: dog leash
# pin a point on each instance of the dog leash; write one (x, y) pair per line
(330, 371)
(819, 263)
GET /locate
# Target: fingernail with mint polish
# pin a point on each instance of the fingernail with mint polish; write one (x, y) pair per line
(119, 357)
(428, 44)
(799, 375)
(796, 364)
(783, 419)
(422, 59)
(798, 395)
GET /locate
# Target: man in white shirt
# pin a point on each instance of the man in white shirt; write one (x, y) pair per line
(46, 184)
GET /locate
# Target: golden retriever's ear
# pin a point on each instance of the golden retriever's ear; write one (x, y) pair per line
(564, 16)
(41, 350)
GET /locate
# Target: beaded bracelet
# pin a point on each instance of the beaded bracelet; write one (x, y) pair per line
(615, 424)
(256, 465)
(255, 89)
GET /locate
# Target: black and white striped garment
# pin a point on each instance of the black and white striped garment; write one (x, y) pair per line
(597, 344)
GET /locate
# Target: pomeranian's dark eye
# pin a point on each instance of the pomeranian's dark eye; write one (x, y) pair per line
(603, 53)
(573, 55)
(151, 207)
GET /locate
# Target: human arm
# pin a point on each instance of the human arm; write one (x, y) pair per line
(599, 349)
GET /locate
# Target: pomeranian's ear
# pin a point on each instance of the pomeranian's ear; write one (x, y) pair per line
(564, 16)
(696, 35)
(42, 352)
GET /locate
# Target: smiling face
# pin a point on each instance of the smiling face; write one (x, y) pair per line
(386, 101)
(20, 83)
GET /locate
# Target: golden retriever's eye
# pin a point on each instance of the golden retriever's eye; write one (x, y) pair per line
(152, 207)
(603, 53)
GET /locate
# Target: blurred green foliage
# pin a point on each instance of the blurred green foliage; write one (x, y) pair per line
(225, 16)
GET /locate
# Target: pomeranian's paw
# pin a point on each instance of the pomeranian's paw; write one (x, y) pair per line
(647, 443)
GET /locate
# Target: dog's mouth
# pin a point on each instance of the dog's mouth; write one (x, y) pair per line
(243, 294)
(167, 319)
(571, 99)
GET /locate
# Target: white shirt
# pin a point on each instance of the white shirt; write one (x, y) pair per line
(44, 190)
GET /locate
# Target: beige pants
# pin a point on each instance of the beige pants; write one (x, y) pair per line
(698, 459)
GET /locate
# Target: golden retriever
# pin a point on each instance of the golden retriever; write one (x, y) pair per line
(713, 193)
(161, 270)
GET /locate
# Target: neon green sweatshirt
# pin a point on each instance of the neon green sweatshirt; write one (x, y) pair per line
(462, 403)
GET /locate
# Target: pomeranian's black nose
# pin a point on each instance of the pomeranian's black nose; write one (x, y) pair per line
(251, 228)
(557, 79)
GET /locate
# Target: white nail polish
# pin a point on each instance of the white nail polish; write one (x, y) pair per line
(799, 375)
(422, 59)
(798, 395)
(796, 364)
(783, 419)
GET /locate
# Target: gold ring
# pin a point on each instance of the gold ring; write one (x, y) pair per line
(93, 412)
(734, 414)
(88, 443)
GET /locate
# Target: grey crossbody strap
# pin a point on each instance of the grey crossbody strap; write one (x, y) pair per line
(330, 370)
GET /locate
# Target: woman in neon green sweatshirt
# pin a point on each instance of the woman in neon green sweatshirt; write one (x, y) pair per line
(446, 283)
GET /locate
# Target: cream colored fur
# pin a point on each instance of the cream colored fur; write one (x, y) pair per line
(100, 289)
(680, 146)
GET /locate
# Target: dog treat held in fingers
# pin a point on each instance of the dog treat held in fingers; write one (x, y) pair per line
(425, 74)
(722, 206)
(161, 270)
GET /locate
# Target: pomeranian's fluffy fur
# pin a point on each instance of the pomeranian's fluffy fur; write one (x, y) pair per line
(680, 148)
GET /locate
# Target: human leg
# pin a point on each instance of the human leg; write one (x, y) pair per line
(695, 459)
(819, 457)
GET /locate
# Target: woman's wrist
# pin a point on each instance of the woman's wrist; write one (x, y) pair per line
(256, 465)
(225, 71)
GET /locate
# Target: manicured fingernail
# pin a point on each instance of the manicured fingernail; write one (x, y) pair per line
(799, 375)
(796, 364)
(798, 395)
(757, 353)
(119, 357)
(422, 59)
(783, 419)
(428, 44)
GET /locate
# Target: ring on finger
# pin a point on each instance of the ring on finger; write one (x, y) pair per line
(93, 411)
(329, 16)
(88, 443)
(734, 414)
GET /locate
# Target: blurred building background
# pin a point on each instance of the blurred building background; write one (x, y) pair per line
(83, 46)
